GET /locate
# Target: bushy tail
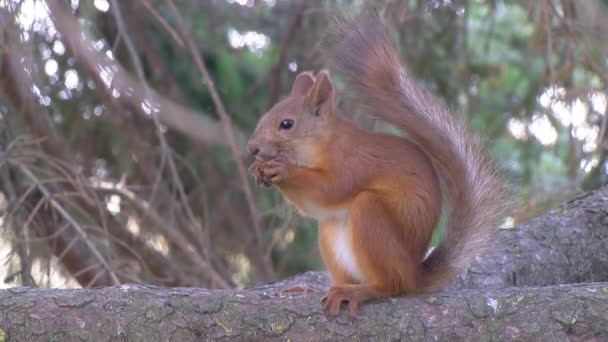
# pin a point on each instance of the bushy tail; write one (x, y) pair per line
(473, 191)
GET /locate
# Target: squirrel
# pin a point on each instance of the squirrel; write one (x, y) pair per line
(378, 197)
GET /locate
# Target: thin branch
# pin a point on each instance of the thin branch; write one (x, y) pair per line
(227, 126)
(192, 124)
(274, 81)
(72, 221)
(163, 23)
(194, 227)
(179, 239)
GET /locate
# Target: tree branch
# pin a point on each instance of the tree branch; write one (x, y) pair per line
(131, 312)
(267, 271)
(575, 231)
(192, 124)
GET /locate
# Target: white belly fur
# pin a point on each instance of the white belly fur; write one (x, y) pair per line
(342, 247)
(343, 252)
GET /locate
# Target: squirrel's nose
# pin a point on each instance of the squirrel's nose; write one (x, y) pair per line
(253, 148)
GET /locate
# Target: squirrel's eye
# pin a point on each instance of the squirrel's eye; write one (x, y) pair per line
(286, 124)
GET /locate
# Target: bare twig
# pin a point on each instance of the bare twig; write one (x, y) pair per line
(274, 81)
(20, 234)
(72, 221)
(194, 226)
(549, 51)
(194, 125)
(163, 23)
(189, 249)
(227, 126)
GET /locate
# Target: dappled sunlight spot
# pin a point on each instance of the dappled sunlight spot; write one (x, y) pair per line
(599, 102)
(129, 91)
(256, 42)
(574, 114)
(588, 164)
(99, 182)
(71, 79)
(582, 131)
(578, 112)
(7, 273)
(45, 101)
(106, 74)
(133, 225)
(101, 5)
(58, 48)
(24, 36)
(42, 99)
(542, 129)
(113, 204)
(507, 223)
(159, 243)
(145, 106)
(289, 236)
(589, 135)
(242, 268)
(43, 274)
(551, 95)
(35, 90)
(562, 112)
(248, 3)
(553, 98)
(50, 276)
(33, 15)
(50, 67)
(286, 239)
(293, 66)
(64, 95)
(98, 45)
(149, 107)
(518, 128)
(86, 114)
(110, 55)
(98, 110)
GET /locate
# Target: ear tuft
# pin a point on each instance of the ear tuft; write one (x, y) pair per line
(321, 94)
(303, 83)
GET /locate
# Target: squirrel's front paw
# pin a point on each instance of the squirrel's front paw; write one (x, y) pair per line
(256, 172)
(273, 171)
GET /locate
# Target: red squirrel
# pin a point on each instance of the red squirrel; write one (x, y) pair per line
(378, 197)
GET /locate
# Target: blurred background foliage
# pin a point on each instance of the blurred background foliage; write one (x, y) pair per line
(122, 124)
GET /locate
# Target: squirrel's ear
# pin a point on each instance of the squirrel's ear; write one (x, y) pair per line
(321, 94)
(303, 83)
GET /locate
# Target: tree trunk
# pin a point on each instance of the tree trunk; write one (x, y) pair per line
(567, 245)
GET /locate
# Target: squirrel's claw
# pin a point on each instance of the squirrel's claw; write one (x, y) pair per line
(334, 298)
